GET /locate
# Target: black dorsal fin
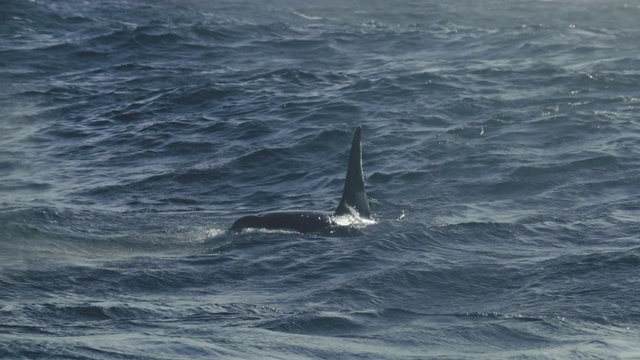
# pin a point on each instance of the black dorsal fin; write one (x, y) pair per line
(353, 195)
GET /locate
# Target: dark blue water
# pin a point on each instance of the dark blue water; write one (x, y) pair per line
(501, 145)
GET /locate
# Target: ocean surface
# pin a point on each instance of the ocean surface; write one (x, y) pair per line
(501, 152)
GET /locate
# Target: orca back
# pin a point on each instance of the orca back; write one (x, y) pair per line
(353, 195)
(353, 200)
(300, 221)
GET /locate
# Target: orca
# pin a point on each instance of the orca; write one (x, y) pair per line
(354, 202)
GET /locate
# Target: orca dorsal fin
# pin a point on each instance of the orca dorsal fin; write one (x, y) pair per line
(353, 195)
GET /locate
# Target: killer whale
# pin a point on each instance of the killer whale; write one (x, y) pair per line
(353, 202)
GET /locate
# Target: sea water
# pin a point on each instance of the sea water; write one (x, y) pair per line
(501, 151)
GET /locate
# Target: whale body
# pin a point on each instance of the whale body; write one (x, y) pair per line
(353, 202)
